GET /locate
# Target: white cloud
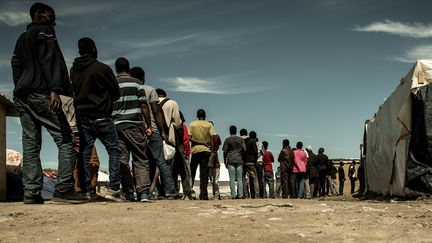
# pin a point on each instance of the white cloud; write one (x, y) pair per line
(416, 53)
(415, 30)
(284, 135)
(14, 18)
(220, 86)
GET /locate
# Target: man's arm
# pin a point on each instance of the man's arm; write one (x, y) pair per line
(146, 112)
(159, 119)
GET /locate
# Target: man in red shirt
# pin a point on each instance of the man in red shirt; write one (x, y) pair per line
(268, 159)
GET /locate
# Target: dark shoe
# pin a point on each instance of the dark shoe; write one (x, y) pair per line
(115, 195)
(145, 197)
(130, 197)
(33, 200)
(69, 196)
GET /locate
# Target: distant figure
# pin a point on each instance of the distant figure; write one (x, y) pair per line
(352, 176)
(154, 143)
(234, 148)
(201, 134)
(95, 91)
(40, 75)
(260, 169)
(251, 157)
(132, 121)
(299, 170)
(214, 167)
(334, 182)
(322, 161)
(286, 160)
(278, 189)
(268, 160)
(313, 172)
(341, 174)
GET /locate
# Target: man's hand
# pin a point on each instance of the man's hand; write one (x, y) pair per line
(55, 102)
(149, 132)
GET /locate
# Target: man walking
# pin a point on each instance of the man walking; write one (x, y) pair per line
(233, 150)
(95, 90)
(201, 134)
(130, 112)
(40, 76)
(154, 143)
(251, 157)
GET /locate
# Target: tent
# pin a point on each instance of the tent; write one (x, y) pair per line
(397, 142)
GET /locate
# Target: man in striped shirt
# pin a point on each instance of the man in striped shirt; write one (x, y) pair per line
(130, 112)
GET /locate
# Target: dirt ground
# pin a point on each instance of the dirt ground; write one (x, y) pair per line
(334, 219)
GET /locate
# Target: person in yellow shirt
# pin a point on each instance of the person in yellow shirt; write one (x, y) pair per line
(201, 134)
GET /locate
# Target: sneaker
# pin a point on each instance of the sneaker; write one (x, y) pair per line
(33, 200)
(69, 196)
(94, 197)
(130, 197)
(145, 197)
(115, 195)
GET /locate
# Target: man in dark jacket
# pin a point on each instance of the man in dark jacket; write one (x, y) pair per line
(341, 174)
(251, 157)
(40, 76)
(322, 161)
(95, 90)
(313, 172)
(286, 160)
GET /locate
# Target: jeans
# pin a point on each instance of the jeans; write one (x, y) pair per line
(34, 110)
(300, 184)
(268, 178)
(236, 175)
(132, 140)
(285, 184)
(341, 186)
(313, 181)
(250, 170)
(155, 154)
(180, 166)
(353, 180)
(293, 185)
(201, 159)
(214, 179)
(104, 130)
(79, 175)
(260, 175)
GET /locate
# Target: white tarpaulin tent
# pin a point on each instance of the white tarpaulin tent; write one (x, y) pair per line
(389, 133)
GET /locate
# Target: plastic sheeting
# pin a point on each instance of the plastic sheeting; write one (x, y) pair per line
(388, 135)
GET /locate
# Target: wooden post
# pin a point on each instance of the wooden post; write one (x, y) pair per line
(2, 152)
(7, 108)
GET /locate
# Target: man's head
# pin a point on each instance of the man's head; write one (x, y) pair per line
(341, 163)
(321, 150)
(233, 130)
(122, 65)
(161, 93)
(309, 148)
(87, 46)
(138, 73)
(285, 143)
(299, 145)
(201, 115)
(243, 132)
(252, 134)
(353, 162)
(42, 14)
(265, 145)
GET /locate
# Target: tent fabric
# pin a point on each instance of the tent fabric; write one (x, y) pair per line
(388, 134)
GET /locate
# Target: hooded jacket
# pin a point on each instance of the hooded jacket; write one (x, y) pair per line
(94, 86)
(38, 64)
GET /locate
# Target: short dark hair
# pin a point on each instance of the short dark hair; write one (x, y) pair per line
(252, 134)
(87, 46)
(299, 145)
(233, 130)
(265, 145)
(138, 73)
(243, 132)
(161, 92)
(201, 113)
(321, 150)
(122, 65)
(285, 143)
(40, 6)
(341, 163)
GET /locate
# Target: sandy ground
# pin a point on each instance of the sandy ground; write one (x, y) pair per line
(334, 219)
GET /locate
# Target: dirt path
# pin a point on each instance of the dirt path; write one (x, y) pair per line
(219, 221)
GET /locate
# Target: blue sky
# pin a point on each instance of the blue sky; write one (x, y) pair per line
(309, 71)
